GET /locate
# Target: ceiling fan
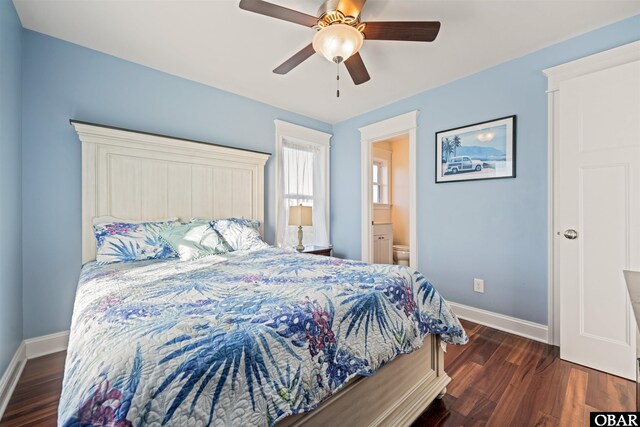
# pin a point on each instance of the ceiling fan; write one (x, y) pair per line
(340, 33)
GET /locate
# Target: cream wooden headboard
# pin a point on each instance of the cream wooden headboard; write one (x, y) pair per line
(138, 176)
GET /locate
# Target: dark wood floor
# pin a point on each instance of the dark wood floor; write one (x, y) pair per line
(35, 399)
(498, 380)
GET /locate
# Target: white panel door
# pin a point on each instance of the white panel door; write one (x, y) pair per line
(599, 200)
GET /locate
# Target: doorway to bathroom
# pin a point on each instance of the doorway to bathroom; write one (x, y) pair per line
(388, 174)
(390, 200)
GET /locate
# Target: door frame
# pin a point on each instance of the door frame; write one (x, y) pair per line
(404, 124)
(555, 75)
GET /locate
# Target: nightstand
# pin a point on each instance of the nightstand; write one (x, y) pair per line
(318, 250)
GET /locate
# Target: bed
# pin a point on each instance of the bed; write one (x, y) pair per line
(254, 337)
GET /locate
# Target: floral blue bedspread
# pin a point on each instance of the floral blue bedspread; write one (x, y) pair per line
(247, 338)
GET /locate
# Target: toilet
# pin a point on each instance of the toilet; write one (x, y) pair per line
(401, 254)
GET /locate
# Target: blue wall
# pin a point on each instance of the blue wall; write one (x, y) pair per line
(495, 230)
(10, 184)
(506, 219)
(63, 81)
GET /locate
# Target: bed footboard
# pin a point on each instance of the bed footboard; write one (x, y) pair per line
(395, 396)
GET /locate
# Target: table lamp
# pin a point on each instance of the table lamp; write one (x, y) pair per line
(300, 216)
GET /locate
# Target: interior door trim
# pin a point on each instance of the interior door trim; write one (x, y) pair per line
(404, 124)
(555, 75)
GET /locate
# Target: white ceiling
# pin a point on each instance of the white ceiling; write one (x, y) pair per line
(216, 43)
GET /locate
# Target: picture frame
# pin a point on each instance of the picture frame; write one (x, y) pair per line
(480, 151)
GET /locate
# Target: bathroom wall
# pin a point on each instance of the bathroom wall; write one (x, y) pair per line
(400, 189)
(381, 215)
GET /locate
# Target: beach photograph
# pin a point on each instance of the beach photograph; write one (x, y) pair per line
(481, 151)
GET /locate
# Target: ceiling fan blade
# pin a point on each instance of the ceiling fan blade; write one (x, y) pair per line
(414, 31)
(356, 69)
(279, 12)
(295, 60)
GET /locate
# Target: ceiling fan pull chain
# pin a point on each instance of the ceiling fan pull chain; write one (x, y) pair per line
(338, 80)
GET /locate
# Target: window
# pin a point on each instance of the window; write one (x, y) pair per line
(377, 167)
(297, 168)
(302, 165)
(380, 181)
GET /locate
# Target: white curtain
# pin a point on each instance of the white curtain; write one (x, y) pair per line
(302, 180)
(320, 220)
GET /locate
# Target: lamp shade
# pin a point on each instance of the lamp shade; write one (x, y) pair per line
(337, 42)
(300, 215)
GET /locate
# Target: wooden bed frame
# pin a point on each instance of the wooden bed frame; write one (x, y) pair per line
(137, 175)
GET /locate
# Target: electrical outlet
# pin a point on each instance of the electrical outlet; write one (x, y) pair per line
(478, 285)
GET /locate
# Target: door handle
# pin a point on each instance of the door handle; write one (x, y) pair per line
(571, 234)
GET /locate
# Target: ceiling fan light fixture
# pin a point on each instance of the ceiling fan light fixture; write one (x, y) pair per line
(337, 42)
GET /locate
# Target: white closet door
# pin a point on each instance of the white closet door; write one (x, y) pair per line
(599, 211)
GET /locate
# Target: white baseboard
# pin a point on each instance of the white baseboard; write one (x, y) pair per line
(513, 325)
(11, 376)
(46, 344)
(28, 349)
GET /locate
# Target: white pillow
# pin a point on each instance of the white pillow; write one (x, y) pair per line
(121, 241)
(240, 234)
(194, 240)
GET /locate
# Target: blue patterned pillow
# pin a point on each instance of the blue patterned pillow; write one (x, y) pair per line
(241, 234)
(194, 240)
(131, 241)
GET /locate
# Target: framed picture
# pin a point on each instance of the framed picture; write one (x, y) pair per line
(484, 150)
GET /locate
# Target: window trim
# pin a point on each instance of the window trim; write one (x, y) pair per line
(382, 157)
(303, 136)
